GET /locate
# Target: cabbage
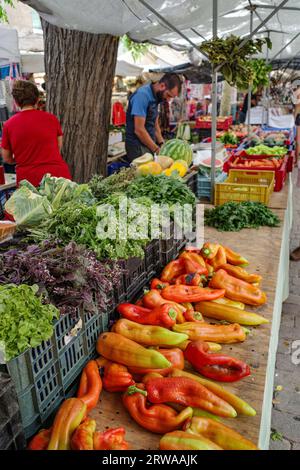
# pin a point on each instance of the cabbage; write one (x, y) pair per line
(27, 207)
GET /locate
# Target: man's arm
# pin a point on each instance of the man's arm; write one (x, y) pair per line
(158, 134)
(142, 134)
(7, 156)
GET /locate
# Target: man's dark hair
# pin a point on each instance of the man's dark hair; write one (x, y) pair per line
(25, 93)
(171, 81)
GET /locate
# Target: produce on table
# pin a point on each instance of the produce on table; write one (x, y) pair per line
(235, 216)
(148, 335)
(191, 293)
(180, 440)
(152, 168)
(240, 273)
(222, 435)
(117, 183)
(24, 321)
(269, 163)
(173, 270)
(174, 356)
(230, 303)
(83, 437)
(238, 290)
(205, 167)
(90, 386)
(29, 205)
(177, 169)
(237, 403)
(230, 314)
(233, 57)
(70, 277)
(220, 259)
(223, 334)
(235, 258)
(177, 150)
(112, 439)
(265, 150)
(116, 378)
(68, 418)
(147, 158)
(229, 138)
(41, 440)
(184, 132)
(217, 367)
(165, 315)
(80, 223)
(118, 348)
(165, 162)
(157, 418)
(161, 190)
(187, 392)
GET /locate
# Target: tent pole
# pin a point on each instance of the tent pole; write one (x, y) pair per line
(214, 106)
(250, 86)
(268, 89)
(288, 44)
(276, 10)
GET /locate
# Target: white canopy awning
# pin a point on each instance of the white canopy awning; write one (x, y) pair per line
(192, 17)
(9, 46)
(125, 69)
(32, 63)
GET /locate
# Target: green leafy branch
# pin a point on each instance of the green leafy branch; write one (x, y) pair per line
(136, 49)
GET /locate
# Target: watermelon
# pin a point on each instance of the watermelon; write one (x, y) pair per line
(178, 150)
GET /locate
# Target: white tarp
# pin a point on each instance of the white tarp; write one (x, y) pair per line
(9, 46)
(130, 16)
(125, 69)
(32, 63)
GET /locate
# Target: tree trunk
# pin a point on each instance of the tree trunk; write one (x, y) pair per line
(80, 69)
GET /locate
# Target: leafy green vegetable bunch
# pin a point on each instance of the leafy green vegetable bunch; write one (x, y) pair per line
(91, 227)
(261, 72)
(233, 59)
(235, 216)
(117, 183)
(161, 189)
(24, 321)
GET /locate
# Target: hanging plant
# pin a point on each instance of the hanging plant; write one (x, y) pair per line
(234, 60)
(136, 49)
(261, 73)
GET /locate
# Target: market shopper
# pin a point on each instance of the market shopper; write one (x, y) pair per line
(32, 139)
(143, 133)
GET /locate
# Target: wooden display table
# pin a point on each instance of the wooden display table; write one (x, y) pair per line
(267, 250)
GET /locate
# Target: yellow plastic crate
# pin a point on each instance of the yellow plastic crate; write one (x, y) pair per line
(245, 185)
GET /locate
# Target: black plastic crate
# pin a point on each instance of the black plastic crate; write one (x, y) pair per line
(191, 181)
(152, 258)
(11, 430)
(43, 376)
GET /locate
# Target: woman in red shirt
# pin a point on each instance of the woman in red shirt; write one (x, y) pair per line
(32, 139)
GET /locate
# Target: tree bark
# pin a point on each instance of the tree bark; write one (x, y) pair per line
(80, 69)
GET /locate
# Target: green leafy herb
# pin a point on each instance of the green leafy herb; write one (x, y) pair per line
(116, 183)
(24, 321)
(235, 216)
(233, 59)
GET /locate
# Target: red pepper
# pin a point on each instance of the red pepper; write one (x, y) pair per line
(165, 315)
(189, 280)
(190, 315)
(116, 378)
(158, 284)
(154, 299)
(172, 270)
(190, 294)
(192, 267)
(112, 439)
(215, 366)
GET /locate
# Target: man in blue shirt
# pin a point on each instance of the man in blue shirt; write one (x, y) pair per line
(143, 134)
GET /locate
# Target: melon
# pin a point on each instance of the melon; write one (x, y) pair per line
(207, 162)
(178, 150)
